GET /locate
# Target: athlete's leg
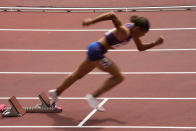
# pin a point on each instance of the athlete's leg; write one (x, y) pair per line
(109, 66)
(85, 67)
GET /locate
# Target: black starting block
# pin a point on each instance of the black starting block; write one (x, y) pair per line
(17, 110)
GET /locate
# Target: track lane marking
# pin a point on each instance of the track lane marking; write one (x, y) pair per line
(91, 113)
(121, 50)
(80, 125)
(109, 98)
(98, 73)
(91, 30)
(128, 127)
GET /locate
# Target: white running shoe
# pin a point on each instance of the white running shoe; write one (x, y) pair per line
(92, 101)
(54, 97)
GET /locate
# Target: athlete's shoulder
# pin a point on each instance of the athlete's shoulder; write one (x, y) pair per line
(129, 25)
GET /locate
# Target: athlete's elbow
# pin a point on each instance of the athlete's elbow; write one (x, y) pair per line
(112, 15)
(141, 49)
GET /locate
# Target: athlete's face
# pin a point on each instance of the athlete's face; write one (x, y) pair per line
(139, 32)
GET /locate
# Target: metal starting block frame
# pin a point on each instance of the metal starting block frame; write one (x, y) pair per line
(17, 110)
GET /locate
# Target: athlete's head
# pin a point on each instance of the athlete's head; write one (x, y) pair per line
(141, 23)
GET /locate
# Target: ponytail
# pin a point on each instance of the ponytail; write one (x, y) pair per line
(134, 18)
(142, 22)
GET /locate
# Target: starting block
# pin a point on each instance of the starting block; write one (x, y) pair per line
(2, 107)
(17, 110)
(45, 107)
(44, 99)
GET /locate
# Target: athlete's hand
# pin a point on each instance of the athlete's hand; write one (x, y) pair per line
(87, 22)
(159, 41)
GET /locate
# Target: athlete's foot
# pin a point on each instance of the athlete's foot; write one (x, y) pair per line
(54, 97)
(92, 101)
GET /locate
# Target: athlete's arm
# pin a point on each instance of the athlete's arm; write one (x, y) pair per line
(106, 16)
(142, 47)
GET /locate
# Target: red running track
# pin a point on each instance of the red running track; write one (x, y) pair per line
(123, 111)
(96, 3)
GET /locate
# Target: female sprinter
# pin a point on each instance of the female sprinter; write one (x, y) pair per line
(96, 50)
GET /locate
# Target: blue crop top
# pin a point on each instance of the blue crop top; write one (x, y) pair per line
(113, 41)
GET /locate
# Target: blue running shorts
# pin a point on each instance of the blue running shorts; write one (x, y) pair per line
(96, 51)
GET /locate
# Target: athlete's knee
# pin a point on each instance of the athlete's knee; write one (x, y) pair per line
(120, 78)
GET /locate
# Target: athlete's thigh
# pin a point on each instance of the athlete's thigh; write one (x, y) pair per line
(85, 67)
(108, 65)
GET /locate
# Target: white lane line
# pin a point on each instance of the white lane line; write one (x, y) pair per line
(109, 98)
(91, 114)
(90, 30)
(121, 50)
(99, 8)
(57, 30)
(98, 73)
(35, 50)
(110, 127)
(172, 29)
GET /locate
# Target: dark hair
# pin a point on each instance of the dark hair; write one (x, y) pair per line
(142, 22)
